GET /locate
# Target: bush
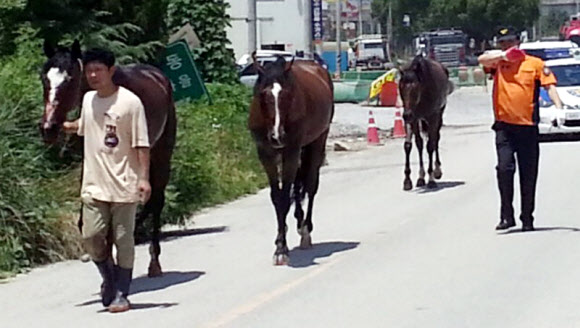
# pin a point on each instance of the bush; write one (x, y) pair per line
(34, 181)
(215, 158)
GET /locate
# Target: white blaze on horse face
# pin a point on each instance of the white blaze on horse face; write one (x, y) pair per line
(55, 77)
(276, 88)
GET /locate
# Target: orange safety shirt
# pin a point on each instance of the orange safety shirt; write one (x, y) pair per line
(516, 89)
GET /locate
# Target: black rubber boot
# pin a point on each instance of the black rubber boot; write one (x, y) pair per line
(108, 287)
(123, 279)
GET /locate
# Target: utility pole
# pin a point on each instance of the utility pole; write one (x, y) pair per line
(252, 26)
(338, 38)
(389, 30)
(360, 25)
(309, 46)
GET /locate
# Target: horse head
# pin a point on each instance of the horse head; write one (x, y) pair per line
(410, 87)
(274, 92)
(61, 79)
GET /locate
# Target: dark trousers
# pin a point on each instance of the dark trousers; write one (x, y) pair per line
(521, 141)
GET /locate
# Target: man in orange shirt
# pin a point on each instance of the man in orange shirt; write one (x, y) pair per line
(517, 80)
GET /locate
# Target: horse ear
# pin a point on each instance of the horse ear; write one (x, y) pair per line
(289, 65)
(48, 49)
(76, 51)
(257, 65)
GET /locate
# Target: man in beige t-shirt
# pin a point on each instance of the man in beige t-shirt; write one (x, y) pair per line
(115, 174)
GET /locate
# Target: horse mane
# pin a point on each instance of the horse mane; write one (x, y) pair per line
(273, 72)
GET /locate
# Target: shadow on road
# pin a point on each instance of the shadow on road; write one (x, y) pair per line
(441, 186)
(146, 284)
(171, 278)
(145, 237)
(302, 258)
(145, 306)
(539, 229)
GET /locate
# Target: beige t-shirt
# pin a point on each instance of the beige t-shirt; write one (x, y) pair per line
(113, 127)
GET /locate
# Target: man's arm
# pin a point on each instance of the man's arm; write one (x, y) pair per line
(71, 127)
(144, 186)
(553, 93)
(491, 59)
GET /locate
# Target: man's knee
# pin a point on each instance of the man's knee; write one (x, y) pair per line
(505, 168)
(97, 246)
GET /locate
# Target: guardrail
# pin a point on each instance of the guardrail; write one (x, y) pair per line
(355, 86)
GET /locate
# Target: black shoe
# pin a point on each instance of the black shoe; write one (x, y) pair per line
(123, 278)
(505, 224)
(108, 287)
(528, 227)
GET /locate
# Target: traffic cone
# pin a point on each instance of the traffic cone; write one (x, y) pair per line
(372, 131)
(399, 127)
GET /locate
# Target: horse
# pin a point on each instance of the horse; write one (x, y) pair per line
(64, 85)
(424, 86)
(289, 120)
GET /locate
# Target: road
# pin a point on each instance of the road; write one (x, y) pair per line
(382, 257)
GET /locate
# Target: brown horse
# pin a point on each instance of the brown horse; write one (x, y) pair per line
(424, 86)
(64, 86)
(289, 120)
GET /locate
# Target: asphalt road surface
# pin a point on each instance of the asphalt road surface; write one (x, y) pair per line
(382, 257)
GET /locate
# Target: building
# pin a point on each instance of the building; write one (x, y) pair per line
(281, 25)
(285, 24)
(569, 6)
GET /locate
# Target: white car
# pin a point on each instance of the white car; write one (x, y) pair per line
(567, 120)
(549, 50)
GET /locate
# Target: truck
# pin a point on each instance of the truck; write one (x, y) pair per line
(447, 46)
(570, 30)
(369, 53)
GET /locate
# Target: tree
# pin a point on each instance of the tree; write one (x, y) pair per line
(209, 20)
(552, 22)
(481, 18)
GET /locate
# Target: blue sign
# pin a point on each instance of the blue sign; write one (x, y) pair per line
(317, 28)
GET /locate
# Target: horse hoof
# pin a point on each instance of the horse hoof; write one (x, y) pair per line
(407, 185)
(437, 174)
(432, 185)
(281, 259)
(154, 270)
(420, 182)
(306, 240)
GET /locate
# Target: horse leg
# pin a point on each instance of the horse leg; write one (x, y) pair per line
(316, 155)
(419, 143)
(407, 184)
(158, 202)
(280, 194)
(438, 173)
(430, 149)
(299, 193)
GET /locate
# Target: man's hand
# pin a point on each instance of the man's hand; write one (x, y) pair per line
(514, 54)
(144, 190)
(70, 127)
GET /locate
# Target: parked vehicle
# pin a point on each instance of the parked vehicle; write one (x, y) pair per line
(567, 73)
(548, 50)
(369, 53)
(445, 46)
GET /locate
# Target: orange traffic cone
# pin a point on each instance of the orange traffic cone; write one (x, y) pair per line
(372, 131)
(399, 127)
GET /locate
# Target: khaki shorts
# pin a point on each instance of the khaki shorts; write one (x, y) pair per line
(106, 224)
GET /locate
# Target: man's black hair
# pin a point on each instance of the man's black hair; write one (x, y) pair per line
(102, 56)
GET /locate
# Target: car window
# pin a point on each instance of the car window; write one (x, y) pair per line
(567, 75)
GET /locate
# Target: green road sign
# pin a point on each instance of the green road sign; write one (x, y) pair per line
(179, 66)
